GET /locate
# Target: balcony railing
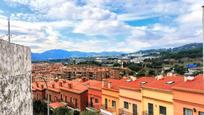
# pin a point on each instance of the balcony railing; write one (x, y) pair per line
(110, 109)
(94, 106)
(124, 112)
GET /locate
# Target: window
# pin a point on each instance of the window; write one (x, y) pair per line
(65, 98)
(113, 103)
(134, 108)
(71, 100)
(50, 97)
(201, 113)
(187, 111)
(162, 110)
(126, 105)
(76, 103)
(96, 100)
(150, 109)
(106, 103)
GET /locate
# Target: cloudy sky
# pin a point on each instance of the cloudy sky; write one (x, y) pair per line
(102, 25)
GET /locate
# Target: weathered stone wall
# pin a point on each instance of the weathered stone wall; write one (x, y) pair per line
(15, 79)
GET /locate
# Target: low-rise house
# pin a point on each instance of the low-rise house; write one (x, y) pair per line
(189, 96)
(94, 94)
(110, 96)
(157, 96)
(38, 90)
(130, 96)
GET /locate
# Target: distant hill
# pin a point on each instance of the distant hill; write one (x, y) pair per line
(62, 54)
(176, 49)
(188, 47)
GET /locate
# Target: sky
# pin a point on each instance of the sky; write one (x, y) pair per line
(101, 25)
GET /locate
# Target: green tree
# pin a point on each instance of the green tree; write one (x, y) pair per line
(61, 111)
(89, 113)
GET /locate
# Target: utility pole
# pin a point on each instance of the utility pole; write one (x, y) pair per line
(9, 34)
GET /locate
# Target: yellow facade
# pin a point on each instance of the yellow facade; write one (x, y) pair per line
(111, 95)
(132, 97)
(157, 98)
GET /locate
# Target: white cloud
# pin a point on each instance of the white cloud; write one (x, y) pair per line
(41, 29)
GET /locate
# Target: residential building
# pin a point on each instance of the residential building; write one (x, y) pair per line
(73, 93)
(110, 96)
(157, 96)
(189, 96)
(38, 90)
(94, 95)
(130, 97)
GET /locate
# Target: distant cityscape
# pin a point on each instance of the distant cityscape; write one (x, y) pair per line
(101, 57)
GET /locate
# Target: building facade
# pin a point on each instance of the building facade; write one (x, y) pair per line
(189, 97)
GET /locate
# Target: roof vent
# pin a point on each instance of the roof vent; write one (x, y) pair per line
(143, 82)
(159, 77)
(170, 82)
(189, 78)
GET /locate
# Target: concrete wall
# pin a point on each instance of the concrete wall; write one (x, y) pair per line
(15, 79)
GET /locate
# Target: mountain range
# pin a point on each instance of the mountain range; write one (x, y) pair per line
(63, 54)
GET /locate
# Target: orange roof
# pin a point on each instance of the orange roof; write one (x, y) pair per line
(115, 84)
(165, 83)
(56, 105)
(196, 85)
(77, 86)
(94, 84)
(136, 85)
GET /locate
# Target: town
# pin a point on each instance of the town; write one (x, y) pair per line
(102, 90)
(102, 57)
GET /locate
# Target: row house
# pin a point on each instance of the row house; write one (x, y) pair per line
(110, 96)
(94, 95)
(73, 93)
(130, 96)
(188, 97)
(162, 95)
(157, 96)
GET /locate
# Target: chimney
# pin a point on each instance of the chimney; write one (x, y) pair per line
(103, 83)
(64, 81)
(159, 77)
(84, 79)
(42, 86)
(37, 84)
(189, 78)
(69, 85)
(110, 84)
(60, 84)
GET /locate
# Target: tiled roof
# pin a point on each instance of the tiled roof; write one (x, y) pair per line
(94, 84)
(115, 84)
(166, 83)
(56, 86)
(56, 105)
(197, 84)
(136, 85)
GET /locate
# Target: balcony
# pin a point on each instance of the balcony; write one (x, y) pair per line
(124, 112)
(95, 107)
(108, 110)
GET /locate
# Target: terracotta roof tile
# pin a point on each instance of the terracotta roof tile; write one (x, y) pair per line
(56, 105)
(165, 83)
(197, 84)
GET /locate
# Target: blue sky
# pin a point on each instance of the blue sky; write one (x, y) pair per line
(102, 25)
